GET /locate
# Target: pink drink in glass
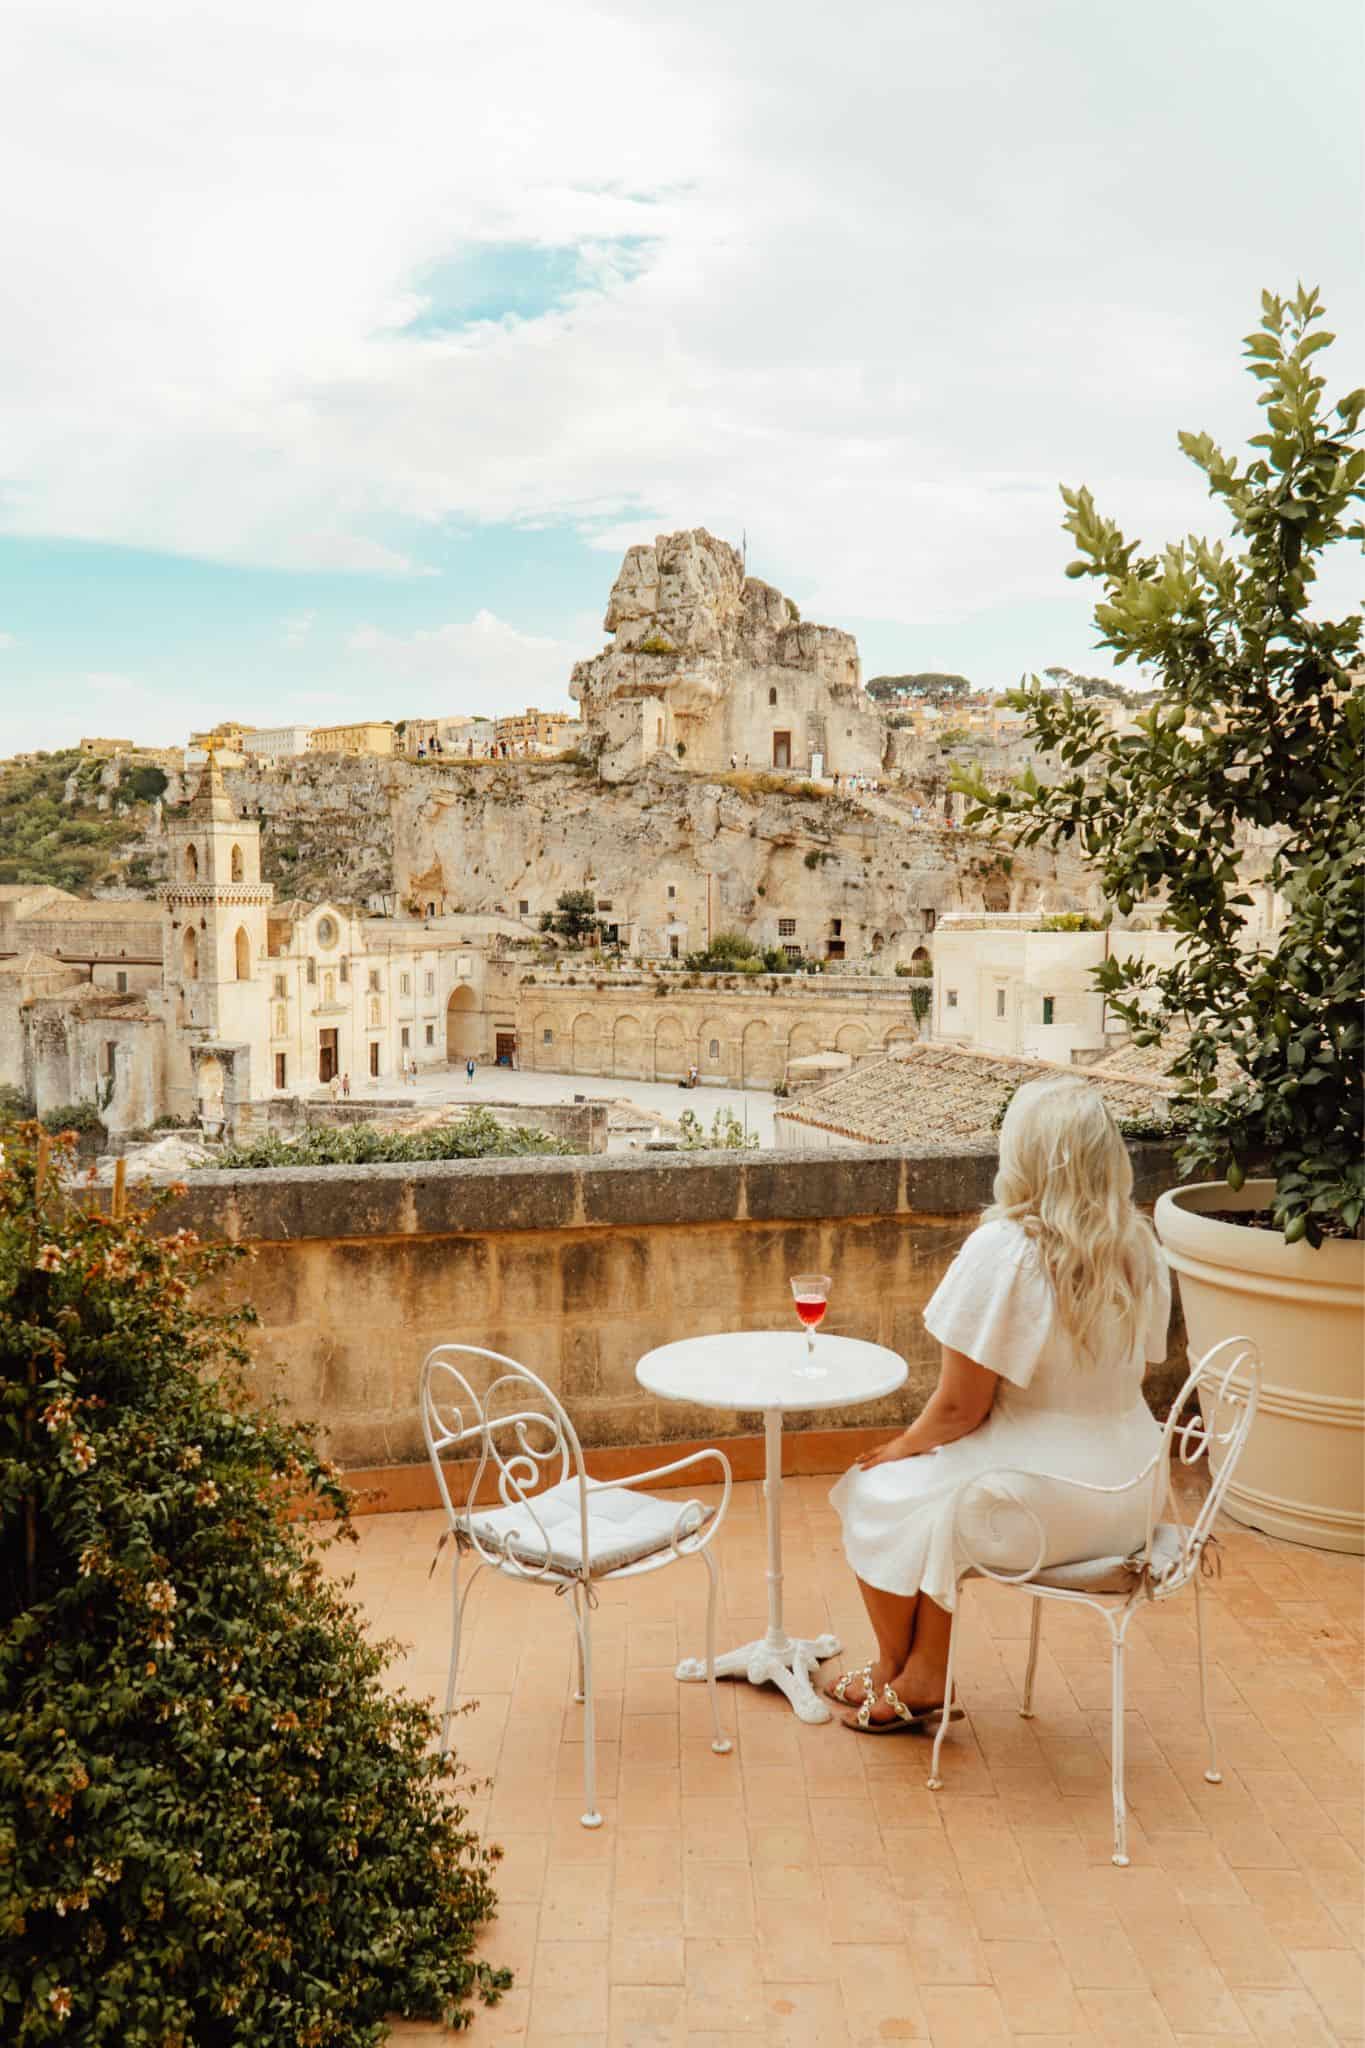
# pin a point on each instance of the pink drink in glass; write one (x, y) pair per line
(810, 1292)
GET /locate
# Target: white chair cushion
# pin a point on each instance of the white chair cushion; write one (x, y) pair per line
(1115, 1574)
(623, 1528)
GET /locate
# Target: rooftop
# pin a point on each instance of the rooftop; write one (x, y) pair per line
(104, 909)
(935, 1093)
(807, 1888)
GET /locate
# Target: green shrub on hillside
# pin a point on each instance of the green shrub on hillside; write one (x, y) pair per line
(42, 839)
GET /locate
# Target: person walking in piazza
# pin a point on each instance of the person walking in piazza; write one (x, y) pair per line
(469, 1069)
(333, 1086)
(1047, 1318)
(346, 1086)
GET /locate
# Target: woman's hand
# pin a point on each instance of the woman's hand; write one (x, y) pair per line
(889, 1453)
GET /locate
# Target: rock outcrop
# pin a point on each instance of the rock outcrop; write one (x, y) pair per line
(714, 667)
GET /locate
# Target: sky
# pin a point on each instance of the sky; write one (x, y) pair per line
(345, 348)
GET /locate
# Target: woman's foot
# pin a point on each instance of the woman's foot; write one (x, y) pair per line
(853, 1694)
(919, 1687)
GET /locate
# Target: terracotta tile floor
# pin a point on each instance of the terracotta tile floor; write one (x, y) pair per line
(807, 1888)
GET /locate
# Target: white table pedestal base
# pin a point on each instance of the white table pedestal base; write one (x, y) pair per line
(789, 1667)
(772, 1370)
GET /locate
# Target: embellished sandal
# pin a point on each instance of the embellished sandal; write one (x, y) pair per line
(907, 1722)
(838, 1691)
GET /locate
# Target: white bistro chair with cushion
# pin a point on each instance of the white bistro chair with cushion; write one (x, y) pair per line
(551, 1525)
(1227, 1384)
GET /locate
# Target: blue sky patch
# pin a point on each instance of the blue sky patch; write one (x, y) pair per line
(496, 281)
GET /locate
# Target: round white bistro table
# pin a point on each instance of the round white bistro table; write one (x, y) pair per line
(774, 1371)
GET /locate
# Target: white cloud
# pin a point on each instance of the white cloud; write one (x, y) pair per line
(294, 631)
(6, 640)
(476, 665)
(905, 271)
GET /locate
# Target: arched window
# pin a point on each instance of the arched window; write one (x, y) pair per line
(772, 696)
(192, 861)
(329, 987)
(235, 865)
(190, 950)
(242, 950)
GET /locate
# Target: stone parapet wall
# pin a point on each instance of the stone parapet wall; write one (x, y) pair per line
(576, 1267)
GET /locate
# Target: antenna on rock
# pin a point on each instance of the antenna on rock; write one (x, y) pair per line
(744, 551)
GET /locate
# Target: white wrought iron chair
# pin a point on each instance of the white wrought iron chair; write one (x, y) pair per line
(552, 1524)
(1227, 1384)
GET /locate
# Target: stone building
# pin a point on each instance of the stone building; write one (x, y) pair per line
(276, 742)
(106, 750)
(539, 732)
(717, 669)
(361, 736)
(460, 737)
(1006, 985)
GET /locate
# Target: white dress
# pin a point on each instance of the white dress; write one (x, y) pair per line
(1050, 1415)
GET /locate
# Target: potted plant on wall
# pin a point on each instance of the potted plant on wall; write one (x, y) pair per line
(1250, 758)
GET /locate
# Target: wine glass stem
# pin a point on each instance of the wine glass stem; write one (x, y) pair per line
(810, 1341)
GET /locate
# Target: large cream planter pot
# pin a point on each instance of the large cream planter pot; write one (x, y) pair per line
(1302, 1474)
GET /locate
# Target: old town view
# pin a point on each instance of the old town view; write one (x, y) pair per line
(626, 942)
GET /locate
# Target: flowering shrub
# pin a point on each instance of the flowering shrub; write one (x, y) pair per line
(216, 1826)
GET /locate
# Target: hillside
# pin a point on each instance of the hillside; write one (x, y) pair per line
(55, 829)
(664, 851)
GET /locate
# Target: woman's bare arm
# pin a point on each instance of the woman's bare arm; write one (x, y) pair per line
(959, 1404)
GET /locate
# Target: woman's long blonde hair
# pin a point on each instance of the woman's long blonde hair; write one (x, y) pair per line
(1065, 1176)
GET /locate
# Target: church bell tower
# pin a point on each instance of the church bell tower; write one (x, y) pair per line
(214, 910)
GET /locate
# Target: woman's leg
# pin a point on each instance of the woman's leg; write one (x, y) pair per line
(893, 1623)
(921, 1679)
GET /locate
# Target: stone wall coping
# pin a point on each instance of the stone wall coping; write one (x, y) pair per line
(477, 1197)
(709, 981)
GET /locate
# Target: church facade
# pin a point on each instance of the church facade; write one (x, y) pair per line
(218, 1001)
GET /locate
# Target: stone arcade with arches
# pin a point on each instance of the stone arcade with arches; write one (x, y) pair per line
(631, 1027)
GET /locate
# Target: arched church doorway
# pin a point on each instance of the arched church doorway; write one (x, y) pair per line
(242, 954)
(464, 1028)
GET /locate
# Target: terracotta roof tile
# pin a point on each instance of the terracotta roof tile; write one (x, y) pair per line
(937, 1093)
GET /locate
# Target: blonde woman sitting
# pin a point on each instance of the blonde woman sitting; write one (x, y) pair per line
(1047, 1318)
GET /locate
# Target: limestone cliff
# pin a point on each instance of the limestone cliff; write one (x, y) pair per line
(671, 856)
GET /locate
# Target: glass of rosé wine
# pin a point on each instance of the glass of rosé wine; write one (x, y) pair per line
(810, 1291)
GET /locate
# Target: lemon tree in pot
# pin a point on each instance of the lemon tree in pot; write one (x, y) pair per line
(1249, 762)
